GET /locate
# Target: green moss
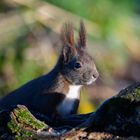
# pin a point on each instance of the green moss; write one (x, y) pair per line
(23, 124)
(133, 95)
(24, 116)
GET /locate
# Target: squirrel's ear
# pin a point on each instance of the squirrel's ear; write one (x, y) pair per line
(82, 36)
(67, 34)
(67, 53)
(67, 37)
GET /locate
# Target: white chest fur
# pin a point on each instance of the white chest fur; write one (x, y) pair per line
(67, 104)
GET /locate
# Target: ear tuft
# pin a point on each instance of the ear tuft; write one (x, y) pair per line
(67, 34)
(82, 36)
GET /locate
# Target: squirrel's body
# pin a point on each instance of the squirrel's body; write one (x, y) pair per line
(58, 92)
(33, 96)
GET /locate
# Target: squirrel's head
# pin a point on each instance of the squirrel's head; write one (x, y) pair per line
(78, 66)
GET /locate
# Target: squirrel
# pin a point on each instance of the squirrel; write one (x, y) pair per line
(58, 92)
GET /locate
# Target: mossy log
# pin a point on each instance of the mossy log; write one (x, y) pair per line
(117, 118)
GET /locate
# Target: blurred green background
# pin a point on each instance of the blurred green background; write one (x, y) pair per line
(30, 43)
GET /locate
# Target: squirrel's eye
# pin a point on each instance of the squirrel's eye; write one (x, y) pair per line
(77, 65)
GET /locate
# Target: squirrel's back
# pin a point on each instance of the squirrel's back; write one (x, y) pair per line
(28, 93)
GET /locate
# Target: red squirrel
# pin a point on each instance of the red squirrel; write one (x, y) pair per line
(59, 90)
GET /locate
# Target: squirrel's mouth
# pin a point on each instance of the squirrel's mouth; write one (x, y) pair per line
(92, 80)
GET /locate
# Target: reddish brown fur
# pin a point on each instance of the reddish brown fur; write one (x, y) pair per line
(82, 35)
(67, 34)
